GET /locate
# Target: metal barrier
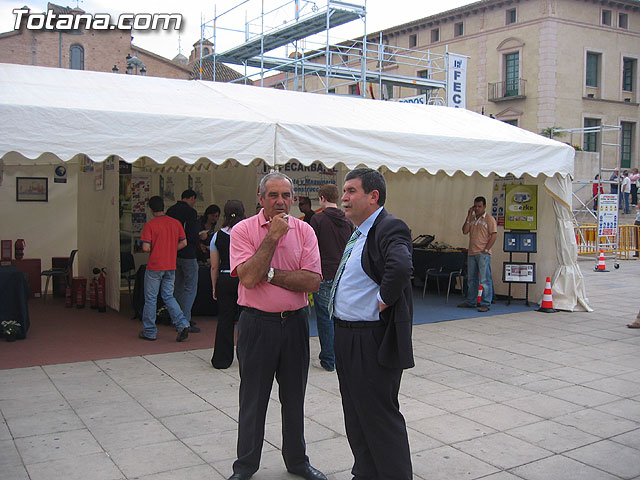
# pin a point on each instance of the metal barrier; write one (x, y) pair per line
(628, 240)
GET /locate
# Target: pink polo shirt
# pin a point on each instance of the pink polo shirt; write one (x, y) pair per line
(296, 250)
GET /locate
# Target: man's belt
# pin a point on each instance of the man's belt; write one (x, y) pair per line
(285, 314)
(345, 324)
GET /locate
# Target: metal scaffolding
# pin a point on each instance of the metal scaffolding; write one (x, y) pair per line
(606, 239)
(290, 47)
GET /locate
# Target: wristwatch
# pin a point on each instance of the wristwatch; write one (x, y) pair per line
(270, 274)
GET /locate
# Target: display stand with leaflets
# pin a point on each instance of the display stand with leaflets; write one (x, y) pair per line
(519, 241)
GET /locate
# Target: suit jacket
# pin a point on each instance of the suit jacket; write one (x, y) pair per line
(387, 260)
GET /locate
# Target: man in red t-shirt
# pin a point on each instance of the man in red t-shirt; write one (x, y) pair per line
(162, 236)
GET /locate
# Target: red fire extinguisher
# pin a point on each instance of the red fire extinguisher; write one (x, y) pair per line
(67, 297)
(93, 293)
(101, 289)
(81, 294)
(19, 248)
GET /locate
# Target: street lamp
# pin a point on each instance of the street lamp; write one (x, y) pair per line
(135, 63)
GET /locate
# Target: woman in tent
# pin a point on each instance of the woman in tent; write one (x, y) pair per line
(225, 287)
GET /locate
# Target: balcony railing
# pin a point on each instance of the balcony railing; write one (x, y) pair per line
(508, 90)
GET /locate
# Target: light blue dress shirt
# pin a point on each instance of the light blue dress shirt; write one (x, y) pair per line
(357, 295)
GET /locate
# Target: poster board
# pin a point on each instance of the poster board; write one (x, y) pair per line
(521, 207)
(518, 272)
(607, 214)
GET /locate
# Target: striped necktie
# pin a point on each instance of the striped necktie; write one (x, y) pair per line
(343, 262)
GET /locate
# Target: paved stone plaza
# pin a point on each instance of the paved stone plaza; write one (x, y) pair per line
(522, 396)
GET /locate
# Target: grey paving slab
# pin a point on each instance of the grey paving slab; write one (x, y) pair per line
(496, 391)
(14, 472)
(451, 428)
(559, 467)
(610, 457)
(44, 422)
(543, 405)
(630, 439)
(597, 423)
(615, 386)
(154, 458)
(9, 455)
(502, 450)
(56, 446)
(4, 431)
(131, 434)
(499, 416)
(587, 397)
(112, 413)
(198, 423)
(553, 436)
(198, 472)
(454, 400)
(96, 467)
(447, 463)
(28, 405)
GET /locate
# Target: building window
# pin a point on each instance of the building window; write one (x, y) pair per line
(511, 16)
(606, 17)
(413, 40)
(353, 89)
(435, 35)
(626, 144)
(458, 29)
(332, 91)
(591, 138)
(205, 51)
(423, 74)
(628, 70)
(76, 57)
(593, 69)
(511, 73)
(623, 20)
(513, 122)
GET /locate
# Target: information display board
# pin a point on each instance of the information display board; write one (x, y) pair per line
(521, 207)
(607, 214)
(518, 272)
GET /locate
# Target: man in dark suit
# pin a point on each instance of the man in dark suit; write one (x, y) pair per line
(372, 305)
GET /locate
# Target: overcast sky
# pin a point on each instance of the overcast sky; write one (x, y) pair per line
(380, 14)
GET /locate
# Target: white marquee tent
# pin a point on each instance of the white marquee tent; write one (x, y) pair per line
(438, 155)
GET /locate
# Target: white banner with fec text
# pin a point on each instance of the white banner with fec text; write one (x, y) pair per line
(457, 81)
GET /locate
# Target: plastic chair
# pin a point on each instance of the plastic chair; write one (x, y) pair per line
(451, 272)
(66, 273)
(128, 270)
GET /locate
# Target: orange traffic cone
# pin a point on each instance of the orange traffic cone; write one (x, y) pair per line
(480, 289)
(547, 300)
(602, 267)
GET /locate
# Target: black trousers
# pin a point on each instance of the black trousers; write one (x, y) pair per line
(376, 429)
(267, 347)
(227, 292)
(634, 194)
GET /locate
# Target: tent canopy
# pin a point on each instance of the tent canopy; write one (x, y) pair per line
(70, 112)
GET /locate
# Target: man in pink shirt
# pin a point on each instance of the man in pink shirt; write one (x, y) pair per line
(276, 258)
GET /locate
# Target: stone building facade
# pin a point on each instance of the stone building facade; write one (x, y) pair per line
(96, 50)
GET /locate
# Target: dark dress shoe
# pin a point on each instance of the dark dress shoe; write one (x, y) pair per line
(194, 329)
(240, 476)
(309, 473)
(144, 337)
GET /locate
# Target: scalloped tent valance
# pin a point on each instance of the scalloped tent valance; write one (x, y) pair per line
(70, 112)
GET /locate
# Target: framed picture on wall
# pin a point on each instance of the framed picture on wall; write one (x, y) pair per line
(32, 189)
